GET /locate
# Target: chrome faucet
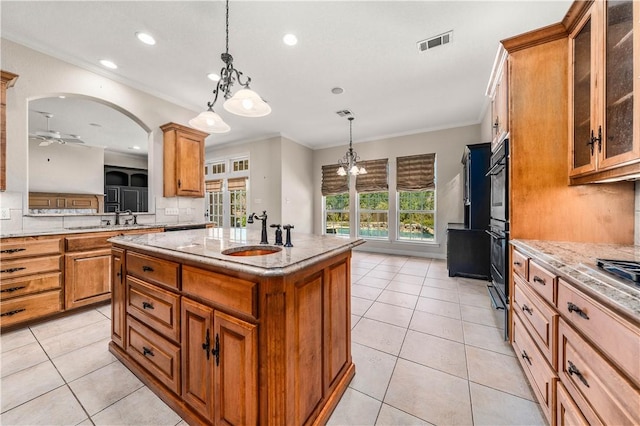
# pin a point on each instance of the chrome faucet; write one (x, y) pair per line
(263, 218)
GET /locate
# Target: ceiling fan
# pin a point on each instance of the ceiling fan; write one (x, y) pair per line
(47, 137)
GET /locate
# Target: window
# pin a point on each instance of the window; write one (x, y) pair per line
(240, 165)
(238, 202)
(337, 214)
(215, 201)
(226, 187)
(416, 215)
(373, 215)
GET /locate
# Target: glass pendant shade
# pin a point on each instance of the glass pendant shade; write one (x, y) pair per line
(341, 171)
(210, 122)
(362, 171)
(247, 103)
(355, 170)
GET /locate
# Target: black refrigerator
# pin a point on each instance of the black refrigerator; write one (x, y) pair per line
(468, 243)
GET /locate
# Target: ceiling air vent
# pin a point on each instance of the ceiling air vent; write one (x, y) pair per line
(434, 42)
(344, 113)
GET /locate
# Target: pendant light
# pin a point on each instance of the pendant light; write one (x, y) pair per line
(350, 160)
(245, 102)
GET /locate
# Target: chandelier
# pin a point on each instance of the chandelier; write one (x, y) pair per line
(350, 160)
(245, 102)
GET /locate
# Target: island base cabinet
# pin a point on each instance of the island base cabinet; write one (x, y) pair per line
(118, 301)
(220, 365)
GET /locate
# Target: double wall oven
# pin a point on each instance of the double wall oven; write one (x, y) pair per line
(499, 231)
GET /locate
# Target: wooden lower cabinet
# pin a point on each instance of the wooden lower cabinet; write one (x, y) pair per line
(118, 307)
(567, 412)
(87, 278)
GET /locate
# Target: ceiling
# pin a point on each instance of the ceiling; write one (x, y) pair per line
(366, 47)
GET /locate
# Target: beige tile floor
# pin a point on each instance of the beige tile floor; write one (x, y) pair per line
(426, 349)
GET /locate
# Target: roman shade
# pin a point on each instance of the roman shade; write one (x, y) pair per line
(416, 172)
(238, 184)
(375, 180)
(332, 182)
(213, 185)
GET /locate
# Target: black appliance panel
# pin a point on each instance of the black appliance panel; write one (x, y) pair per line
(498, 254)
(499, 173)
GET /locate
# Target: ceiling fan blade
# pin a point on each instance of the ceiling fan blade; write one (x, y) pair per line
(45, 143)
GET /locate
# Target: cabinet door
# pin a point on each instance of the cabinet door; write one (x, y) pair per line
(117, 299)
(112, 194)
(130, 199)
(87, 278)
(620, 121)
(189, 161)
(582, 90)
(236, 371)
(197, 359)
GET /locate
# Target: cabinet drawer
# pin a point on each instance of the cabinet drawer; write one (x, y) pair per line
(543, 282)
(158, 308)
(23, 267)
(540, 375)
(153, 270)
(567, 412)
(88, 241)
(29, 247)
(25, 308)
(155, 353)
(540, 319)
(588, 376)
(222, 290)
(613, 335)
(15, 287)
(520, 264)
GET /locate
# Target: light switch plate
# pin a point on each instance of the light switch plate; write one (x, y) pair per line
(5, 214)
(171, 211)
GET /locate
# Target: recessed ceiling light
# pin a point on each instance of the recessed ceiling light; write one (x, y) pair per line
(213, 76)
(146, 38)
(337, 90)
(290, 40)
(62, 96)
(136, 147)
(107, 63)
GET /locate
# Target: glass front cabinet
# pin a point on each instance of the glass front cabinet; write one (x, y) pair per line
(605, 93)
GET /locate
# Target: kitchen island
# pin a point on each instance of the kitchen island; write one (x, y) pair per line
(229, 331)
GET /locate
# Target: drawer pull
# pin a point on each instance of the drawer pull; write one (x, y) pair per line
(574, 308)
(11, 313)
(146, 351)
(147, 305)
(574, 370)
(207, 344)
(9, 251)
(12, 289)
(525, 356)
(537, 279)
(527, 309)
(12, 270)
(517, 263)
(146, 268)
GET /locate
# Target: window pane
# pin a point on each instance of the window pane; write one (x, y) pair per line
(416, 226)
(374, 201)
(338, 223)
(374, 225)
(238, 208)
(420, 200)
(337, 202)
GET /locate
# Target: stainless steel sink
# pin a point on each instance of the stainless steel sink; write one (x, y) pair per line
(251, 250)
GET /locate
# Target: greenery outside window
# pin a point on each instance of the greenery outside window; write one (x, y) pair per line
(416, 215)
(337, 214)
(373, 215)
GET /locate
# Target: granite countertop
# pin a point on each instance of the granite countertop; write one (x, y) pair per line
(205, 246)
(78, 230)
(576, 262)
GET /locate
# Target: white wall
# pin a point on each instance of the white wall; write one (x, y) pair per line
(55, 168)
(448, 145)
(297, 186)
(125, 160)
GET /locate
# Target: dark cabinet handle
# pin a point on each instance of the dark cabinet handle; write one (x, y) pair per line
(12, 270)
(574, 370)
(11, 313)
(147, 305)
(179, 183)
(575, 308)
(146, 351)
(517, 263)
(537, 279)
(527, 309)
(525, 356)
(119, 273)
(12, 289)
(9, 251)
(216, 351)
(207, 344)
(146, 268)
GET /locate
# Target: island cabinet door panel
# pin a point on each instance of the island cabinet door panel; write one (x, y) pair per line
(87, 278)
(117, 297)
(337, 321)
(236, 371)
(197, 359)
(307, 378)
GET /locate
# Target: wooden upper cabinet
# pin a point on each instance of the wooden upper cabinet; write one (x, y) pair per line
(183, 161)
(605, 92)
(7, 80)
(498, 91)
